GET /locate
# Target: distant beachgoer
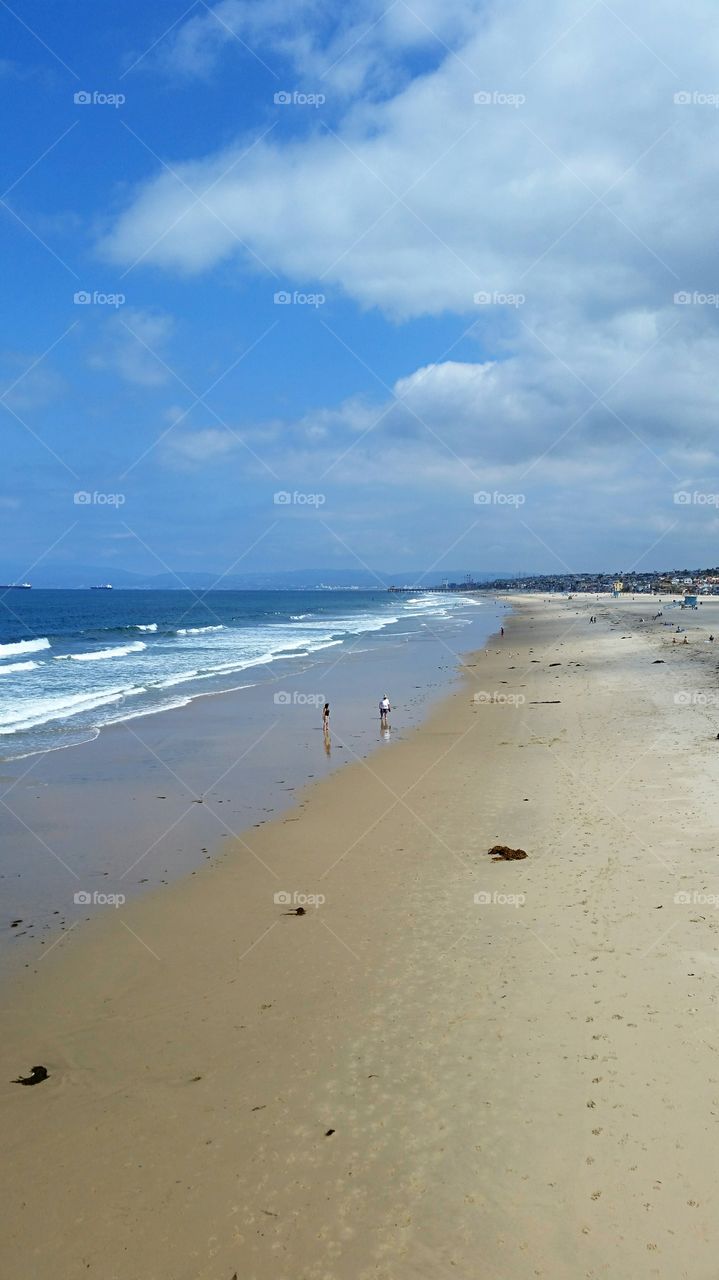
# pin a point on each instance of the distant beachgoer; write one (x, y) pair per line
(326, 716)
(384, 709)
(501, 631)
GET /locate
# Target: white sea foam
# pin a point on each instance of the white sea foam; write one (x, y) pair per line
(41, 710)
(101, 655)
(197, 631)
(149, 711)
(243, 662)
(179, 679)
(23, 646)
(147, 626)
(326, 644)
(7, 667)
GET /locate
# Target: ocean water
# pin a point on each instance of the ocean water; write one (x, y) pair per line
(72, 662)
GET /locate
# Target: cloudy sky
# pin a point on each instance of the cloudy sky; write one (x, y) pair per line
(441, 275)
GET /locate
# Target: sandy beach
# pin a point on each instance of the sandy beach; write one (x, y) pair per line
(447, 1066)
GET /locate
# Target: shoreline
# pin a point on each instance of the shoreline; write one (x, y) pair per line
(162, 666)
(152, 800)
(321, 1096)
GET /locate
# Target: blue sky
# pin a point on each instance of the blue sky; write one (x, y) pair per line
(486, 294)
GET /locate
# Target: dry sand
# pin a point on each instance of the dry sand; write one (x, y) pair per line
(404, 1082)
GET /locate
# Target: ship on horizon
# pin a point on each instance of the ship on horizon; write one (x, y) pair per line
(15, 586)
(102, 586)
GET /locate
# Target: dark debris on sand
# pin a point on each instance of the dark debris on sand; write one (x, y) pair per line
(38, 1075)
(503, 853)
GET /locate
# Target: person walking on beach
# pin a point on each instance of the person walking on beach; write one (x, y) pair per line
(326, 727)
(384, 709)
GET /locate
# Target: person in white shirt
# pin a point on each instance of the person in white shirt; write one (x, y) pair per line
(384, 709)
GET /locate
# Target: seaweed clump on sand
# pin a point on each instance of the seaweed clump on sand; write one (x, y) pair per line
(37, 1076)
(503, 853)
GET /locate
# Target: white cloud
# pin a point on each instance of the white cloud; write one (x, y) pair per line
(414, 202)
(316, 39)
(204, 446)
(29, 381)
(594, 199)
(529, 417)
(133, 347)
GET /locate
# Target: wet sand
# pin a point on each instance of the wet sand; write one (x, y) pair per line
(155, 797)
(450, 1067)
